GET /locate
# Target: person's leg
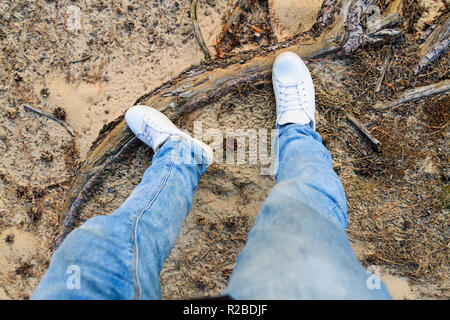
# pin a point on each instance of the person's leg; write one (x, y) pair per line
(121, 255)
(298, 248)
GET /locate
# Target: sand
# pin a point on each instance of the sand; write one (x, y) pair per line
(291, 17)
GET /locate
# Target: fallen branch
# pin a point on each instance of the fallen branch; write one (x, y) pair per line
(413, 94)
(435, 46)
(30, 108)
(197, 86)
(384, 68)
(363, 129)
(197, 31)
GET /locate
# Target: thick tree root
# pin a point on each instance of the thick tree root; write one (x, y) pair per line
(194, 88)
(88, 181)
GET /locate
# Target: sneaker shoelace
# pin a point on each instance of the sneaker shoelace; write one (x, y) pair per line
(292, 97)
(151, 130)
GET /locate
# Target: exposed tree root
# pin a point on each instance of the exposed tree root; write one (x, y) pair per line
(195, 87)
(415, 93)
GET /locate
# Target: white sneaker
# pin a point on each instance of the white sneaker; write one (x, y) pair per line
(154, 128)
(294, 90)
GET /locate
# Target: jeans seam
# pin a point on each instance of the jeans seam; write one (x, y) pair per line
(135, 227)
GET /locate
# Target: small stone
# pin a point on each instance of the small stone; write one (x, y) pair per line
(9, 238)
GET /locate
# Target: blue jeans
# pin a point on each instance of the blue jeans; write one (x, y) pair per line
(297, 248)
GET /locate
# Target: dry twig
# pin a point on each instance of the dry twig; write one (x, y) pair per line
(198, 32)
(384, 68)
(363, 129)
(30, 108)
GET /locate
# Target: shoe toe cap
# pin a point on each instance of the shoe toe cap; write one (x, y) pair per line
(135, 117)
(289, 67)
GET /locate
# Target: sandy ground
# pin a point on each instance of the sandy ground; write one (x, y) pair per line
(290, 18)
(94, 59)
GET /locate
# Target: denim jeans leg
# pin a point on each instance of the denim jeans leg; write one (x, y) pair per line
(120, 256)
(298, 248)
